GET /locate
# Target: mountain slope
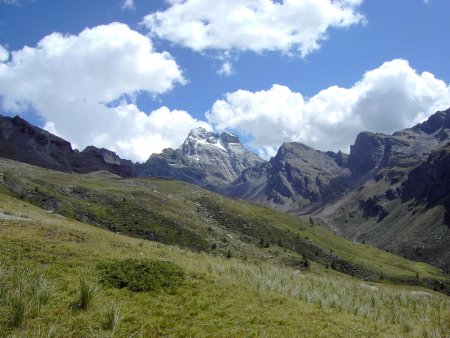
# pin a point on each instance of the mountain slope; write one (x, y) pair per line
(395, 207)
(368, 196)
(24, 142)
(362, 196)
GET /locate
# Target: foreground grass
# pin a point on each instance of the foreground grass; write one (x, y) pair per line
(220, 297)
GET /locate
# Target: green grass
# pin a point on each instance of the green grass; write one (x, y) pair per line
(220, 297)
(178, 213)
(23, 293)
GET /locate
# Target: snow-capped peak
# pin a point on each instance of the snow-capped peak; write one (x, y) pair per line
(201, 133)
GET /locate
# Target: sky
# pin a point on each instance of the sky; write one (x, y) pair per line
(136, 76)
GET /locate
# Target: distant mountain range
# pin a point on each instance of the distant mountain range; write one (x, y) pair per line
(391, 191)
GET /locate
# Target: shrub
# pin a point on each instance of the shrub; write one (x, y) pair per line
(140, 274)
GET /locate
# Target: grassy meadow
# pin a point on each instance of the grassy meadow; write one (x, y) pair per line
(220, 267)
(220, 296)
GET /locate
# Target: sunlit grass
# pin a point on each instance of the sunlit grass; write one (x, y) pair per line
(220, 297)
(416, 312)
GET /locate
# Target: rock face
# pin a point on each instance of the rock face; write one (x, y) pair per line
(205, 158)
(427, 188)
(24, 142)
(297, 179)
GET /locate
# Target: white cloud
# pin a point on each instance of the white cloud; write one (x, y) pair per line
(128, 5)
(226, 69)
(126, 130)
(389, 98)
(4, 54)
(69, 80)
(290, 26)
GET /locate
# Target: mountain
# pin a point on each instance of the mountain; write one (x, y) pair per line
(390, 192)
(298, 178)
(205, 158)
(21, 141)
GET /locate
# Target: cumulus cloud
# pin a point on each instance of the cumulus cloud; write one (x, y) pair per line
(389, 98)
(128, 5)
(289, 26)
(72, 80)
(4, 54)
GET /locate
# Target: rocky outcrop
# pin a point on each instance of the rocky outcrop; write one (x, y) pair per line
(367, 153)
(169, 164)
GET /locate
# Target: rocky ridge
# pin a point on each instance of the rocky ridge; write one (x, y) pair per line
(205, 158)
(21, 141)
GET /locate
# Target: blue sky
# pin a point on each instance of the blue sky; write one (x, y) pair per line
(293, 70)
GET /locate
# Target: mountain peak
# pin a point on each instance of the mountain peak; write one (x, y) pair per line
(202, 133)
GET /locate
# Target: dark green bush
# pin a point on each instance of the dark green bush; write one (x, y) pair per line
(141, 274)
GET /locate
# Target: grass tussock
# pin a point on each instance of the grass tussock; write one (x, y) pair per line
(88, 290)
(417, 313)
(23, 293)
(113, 316)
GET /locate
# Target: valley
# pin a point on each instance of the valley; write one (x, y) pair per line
(257, 291)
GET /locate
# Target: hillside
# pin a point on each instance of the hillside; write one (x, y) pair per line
(181, 214)
(219, 296)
